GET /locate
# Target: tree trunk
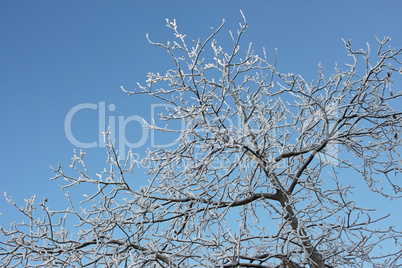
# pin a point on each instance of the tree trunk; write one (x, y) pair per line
(314, 256)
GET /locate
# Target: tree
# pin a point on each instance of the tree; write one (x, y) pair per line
(256, 178)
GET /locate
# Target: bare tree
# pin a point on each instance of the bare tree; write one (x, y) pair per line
(255, 179)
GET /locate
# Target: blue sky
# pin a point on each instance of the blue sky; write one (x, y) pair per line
(55, 55)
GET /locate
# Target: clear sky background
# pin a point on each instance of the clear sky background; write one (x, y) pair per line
(55, 55)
